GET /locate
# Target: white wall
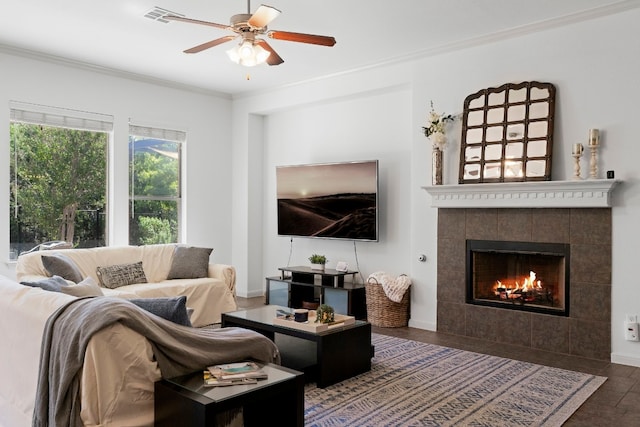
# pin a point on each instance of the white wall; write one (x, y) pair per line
(377, 113)
(205, 118)
(372, 127)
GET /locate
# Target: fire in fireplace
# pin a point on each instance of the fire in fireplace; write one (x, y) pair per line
(526, 276)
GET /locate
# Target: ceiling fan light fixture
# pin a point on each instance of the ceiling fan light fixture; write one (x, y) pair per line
(248, 54)
(253, 50)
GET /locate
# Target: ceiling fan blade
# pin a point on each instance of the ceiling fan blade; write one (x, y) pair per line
(209, 44)
(263, 16)
(274, 58)
(302, 38)
(195, 21)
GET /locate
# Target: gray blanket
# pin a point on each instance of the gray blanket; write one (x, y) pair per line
(178, 350)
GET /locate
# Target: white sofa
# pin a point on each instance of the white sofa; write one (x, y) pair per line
(208, 297)
(120, 365)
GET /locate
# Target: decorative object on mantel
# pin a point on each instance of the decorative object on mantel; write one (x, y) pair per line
(576, 152)
(436, 132)
(318, 262)
(507, 134)
(594, 142)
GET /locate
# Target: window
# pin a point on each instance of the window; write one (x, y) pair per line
(154, 185)
(58, 183)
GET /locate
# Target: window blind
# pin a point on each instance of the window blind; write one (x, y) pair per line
(157, 133)
(59, 117)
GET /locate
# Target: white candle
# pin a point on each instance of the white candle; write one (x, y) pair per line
(594, 137)
(577, 149)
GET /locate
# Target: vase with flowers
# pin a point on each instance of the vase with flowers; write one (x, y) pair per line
(436, 132)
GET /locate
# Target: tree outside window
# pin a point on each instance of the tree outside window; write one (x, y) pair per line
(155, 190)
(58, 186)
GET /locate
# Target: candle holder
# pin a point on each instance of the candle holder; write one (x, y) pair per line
(576, 168)
(594, 143)
(593, 163)
(577, 153)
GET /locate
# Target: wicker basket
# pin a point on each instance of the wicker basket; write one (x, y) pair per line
(383, 312)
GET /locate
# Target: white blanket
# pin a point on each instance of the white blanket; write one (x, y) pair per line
(394, 287)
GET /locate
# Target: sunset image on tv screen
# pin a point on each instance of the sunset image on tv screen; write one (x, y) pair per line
(333, 200)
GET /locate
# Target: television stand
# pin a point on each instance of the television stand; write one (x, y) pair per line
(298, 285)
(328, 277)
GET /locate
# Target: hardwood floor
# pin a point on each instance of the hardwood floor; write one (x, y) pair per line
(615, 403)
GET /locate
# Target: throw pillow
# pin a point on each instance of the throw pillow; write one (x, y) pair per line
(189, 262)
(173, 309)
(87, 288)
(54, 284)
(114, 276)
(63, 266)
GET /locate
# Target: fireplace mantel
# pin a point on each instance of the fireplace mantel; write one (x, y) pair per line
(589, 193)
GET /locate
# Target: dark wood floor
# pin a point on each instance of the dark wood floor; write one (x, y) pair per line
(615, 403)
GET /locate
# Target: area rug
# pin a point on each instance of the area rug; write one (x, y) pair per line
(418, 384)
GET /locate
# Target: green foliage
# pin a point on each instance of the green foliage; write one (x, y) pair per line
(154, 230)
(55, 172)
(59, 181)
(318, 259)
(154, 174)
(325, 314)
(154, 186)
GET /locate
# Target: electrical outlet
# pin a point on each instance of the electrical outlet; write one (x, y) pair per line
(631, 331)
(631, 318)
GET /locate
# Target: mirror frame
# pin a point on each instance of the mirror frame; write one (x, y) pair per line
(507, 134)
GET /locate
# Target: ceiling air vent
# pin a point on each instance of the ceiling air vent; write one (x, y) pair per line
(158, 14)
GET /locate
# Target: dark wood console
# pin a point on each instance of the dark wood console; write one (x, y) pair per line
(296, 285)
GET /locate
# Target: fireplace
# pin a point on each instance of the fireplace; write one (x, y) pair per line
(576, 213)
(527, 276)
(584, 330)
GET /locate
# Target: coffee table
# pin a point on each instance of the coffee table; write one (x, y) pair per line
(185, 401)
(327, 357)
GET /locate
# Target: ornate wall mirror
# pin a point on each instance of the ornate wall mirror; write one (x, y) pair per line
(507, 134)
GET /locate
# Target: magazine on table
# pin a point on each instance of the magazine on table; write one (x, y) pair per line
(233, 374)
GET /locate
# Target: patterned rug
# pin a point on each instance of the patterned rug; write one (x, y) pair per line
(417, 384)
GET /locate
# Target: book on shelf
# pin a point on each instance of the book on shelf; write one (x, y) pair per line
(233, 374)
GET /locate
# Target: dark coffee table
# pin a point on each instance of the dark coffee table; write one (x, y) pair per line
(327, 357)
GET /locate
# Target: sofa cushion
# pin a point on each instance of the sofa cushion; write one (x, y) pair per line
(87, 288)
(114, 276)
(54, 284)
(63, 266)
(189, 262)
(173, 309)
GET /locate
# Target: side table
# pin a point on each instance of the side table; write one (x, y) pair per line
(186, 401)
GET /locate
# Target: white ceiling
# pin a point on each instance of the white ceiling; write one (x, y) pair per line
(115, 35)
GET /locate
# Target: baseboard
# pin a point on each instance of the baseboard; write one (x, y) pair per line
(625, 359)
(422, 325)
(252, 294)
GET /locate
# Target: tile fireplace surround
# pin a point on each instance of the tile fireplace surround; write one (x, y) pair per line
(578, 213)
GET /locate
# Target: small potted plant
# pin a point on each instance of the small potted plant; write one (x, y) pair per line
(317, 261)
(325, 314)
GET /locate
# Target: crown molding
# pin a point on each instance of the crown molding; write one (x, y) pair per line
(59, 60)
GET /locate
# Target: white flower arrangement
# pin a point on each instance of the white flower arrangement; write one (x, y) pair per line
(436, 129)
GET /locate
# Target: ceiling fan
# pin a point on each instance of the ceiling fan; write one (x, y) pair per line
(252, 49)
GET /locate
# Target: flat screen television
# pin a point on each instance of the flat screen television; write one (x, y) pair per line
(328, 200)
